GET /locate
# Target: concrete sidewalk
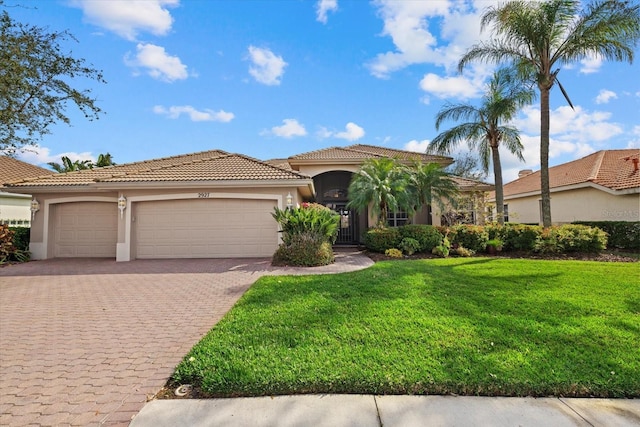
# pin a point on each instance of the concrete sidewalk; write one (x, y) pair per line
(389, 411)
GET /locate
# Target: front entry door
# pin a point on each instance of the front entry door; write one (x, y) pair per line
(347, 227)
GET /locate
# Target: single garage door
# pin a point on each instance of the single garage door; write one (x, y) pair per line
(85, 229)
(205, 228)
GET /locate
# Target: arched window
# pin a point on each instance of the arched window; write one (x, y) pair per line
(335, 193)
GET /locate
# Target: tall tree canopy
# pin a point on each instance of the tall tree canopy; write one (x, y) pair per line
(35, 83)
(539, 37)
(68, 165)
(484, 128)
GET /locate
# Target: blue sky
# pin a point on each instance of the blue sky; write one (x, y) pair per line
(271, 78)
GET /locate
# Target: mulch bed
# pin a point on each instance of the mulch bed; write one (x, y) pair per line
(607, 256)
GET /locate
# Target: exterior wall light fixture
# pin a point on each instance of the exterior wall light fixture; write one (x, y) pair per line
(289, 200)
(122, 204)
(35, 207)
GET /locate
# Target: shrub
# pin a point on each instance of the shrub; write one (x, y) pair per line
(443, 249)
(463, 252)
(520, 237)
(304, 250)
(572, 238)
(469, 236)
(21, 237)
(310, 218)
(427, 236)
(381, 239)
(393, 253)
(409, 246)
(622, 234)
(6, 243)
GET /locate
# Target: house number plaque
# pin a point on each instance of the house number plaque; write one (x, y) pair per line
(203, 195)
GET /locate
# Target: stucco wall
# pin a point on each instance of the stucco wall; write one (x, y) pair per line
(583, 204)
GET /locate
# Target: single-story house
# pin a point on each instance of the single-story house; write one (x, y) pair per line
(603, 186)
(15, 207)
(202, 205)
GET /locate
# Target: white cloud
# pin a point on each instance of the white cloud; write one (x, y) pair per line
(289, 129)
(323, 7)
(158, 63)
(267, 67)
(570, 125)
(206, 115)
(129, 17)
(605, 96)
(417, 146)
(42, 156)
(590, 65)
(352, 132)
(449, 87)
(411, 25)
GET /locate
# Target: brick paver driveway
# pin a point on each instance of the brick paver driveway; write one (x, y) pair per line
(88, 341)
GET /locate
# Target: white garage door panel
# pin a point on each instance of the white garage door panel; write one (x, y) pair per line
(85, 229)
(211, 228)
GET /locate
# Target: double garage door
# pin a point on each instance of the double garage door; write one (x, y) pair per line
(189, 228)
(205, 228)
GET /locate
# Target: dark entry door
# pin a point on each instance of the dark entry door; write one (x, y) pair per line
(347, 229)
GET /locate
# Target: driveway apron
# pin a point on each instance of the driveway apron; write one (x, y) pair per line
(89, 341)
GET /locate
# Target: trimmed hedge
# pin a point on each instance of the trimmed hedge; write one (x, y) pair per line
(381, 239)
(305, 250)
(515, 237)
(428, 236)
(622, 234)
(472, 237)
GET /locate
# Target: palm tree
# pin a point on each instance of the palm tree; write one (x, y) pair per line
(429, 183)
(483, 128)
(539, 37)
(382, 183)
(70, 166)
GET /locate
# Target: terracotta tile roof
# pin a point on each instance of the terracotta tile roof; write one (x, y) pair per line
(13, 170)
(466, 184)
(613, 169)
(203, 166)
(401, 154)
(231, 167)
(281, 163)
(361, 152)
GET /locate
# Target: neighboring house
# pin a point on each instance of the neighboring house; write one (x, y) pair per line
(15, 207)
(603, 186)
(202, 205)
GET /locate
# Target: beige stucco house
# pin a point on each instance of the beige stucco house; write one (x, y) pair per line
(603, 186)
(201, 205)
(15, 207)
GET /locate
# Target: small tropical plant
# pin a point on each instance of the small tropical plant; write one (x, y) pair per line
(310, 218)
(393, 253)
(307, 235)
(409, 246)
(443, 249)
(494, 246)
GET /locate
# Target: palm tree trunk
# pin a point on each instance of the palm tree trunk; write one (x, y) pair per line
(545, 194)
(497, 173)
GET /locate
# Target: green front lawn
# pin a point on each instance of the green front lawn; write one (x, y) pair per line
(466, 326)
